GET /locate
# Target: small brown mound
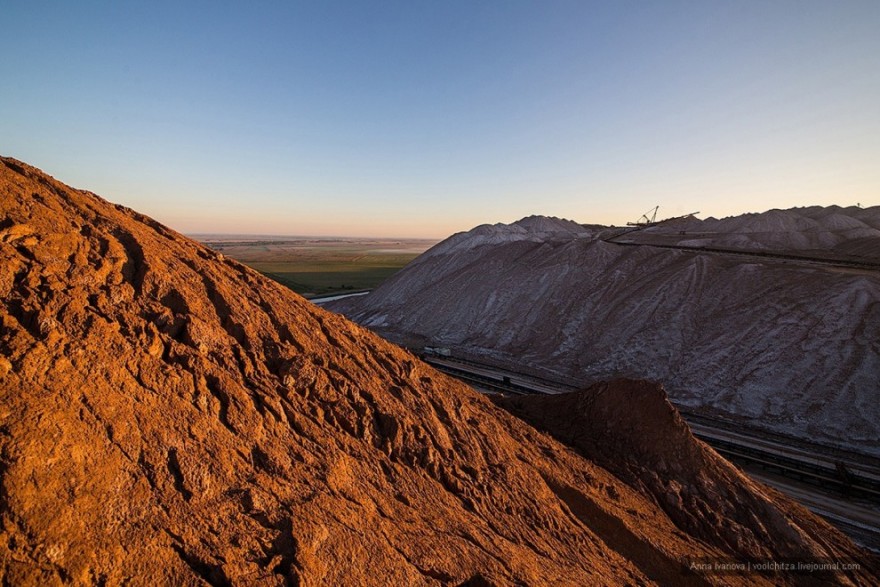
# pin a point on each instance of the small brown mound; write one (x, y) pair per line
(630, 428)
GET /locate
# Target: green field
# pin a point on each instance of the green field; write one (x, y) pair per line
(314, 267)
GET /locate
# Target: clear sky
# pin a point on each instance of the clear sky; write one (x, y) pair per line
(419, 118)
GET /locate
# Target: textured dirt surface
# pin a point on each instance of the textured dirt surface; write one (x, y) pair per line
(170, 417)
(779, 344)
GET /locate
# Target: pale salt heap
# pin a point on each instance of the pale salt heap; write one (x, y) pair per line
(788, 346)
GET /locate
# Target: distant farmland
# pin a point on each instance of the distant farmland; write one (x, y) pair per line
(319, 266)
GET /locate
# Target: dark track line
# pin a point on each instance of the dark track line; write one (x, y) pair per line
(869, 265)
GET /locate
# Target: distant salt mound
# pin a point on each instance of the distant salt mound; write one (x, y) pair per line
(550, 224)
(870, 216)
(785, 345)
(774, 221)
(841, 222)
(787, 231)
(531, 228)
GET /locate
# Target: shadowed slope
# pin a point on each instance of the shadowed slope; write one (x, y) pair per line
(630, 428)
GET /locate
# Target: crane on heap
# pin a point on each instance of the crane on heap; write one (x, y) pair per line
(645, 220)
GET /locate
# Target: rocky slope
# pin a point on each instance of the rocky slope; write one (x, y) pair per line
(168, 416)
(773, 342)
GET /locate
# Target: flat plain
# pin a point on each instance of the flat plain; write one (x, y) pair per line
(315, 266)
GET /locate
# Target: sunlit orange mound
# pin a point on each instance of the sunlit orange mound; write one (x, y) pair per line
(170, 417)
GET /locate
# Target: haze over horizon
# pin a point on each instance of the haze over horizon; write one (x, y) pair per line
(407, 119)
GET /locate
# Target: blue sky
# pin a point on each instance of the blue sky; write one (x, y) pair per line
(425, 118)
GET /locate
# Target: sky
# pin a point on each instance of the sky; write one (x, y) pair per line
(421, 119)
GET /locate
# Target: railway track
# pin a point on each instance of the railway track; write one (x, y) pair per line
(828, 478)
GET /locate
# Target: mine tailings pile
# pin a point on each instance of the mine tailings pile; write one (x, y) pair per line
(764, 320)
(170, 417)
